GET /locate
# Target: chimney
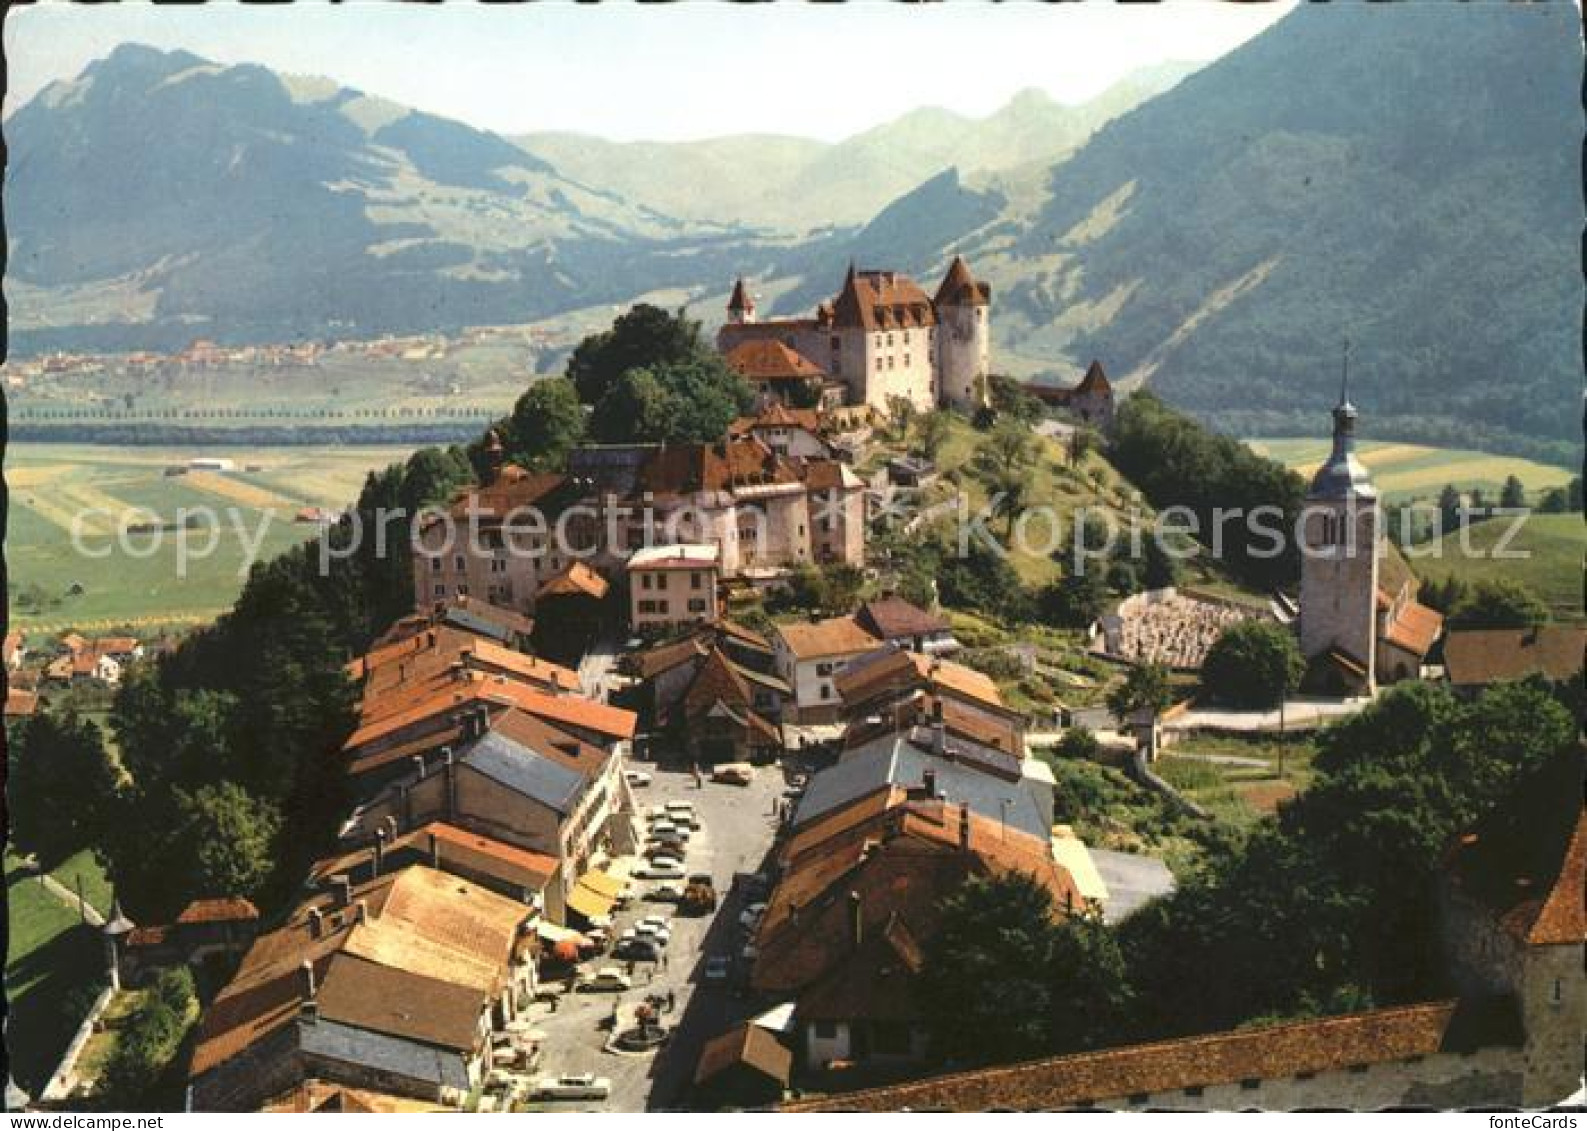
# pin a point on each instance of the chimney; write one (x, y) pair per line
(451, 783)
(964, 826)
(309, 988)
(928, 784)
(856, 919)
(418, 766)
(435, 852)
(380, 851)
(407, 804)
(939, 730)
(361, 911)
(343, 888)
(316, 925)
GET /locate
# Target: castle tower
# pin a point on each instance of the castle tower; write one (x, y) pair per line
(964, 338)
(1339, 561)
(740, 307)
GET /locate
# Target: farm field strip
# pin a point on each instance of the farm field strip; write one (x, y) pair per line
(239, 491)
(1403, 469)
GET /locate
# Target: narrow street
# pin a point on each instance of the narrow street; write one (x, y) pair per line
(738, 828)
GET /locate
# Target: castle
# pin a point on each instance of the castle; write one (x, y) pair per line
(879, 339)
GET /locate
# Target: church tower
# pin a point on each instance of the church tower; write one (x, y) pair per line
(964, 338)
(741, 306)
(1339, 561)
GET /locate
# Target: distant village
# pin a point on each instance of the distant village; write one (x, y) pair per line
(585, 796)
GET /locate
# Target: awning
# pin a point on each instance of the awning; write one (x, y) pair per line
(554, 934)
(594, 895)
(603, 883)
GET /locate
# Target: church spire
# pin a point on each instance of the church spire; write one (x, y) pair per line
(1344, 412)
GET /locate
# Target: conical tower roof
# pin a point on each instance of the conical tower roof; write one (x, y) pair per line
(740, 302)
(959, 287)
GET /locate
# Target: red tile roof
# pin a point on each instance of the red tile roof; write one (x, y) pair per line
(1479, 656)
(960, 288)
(218, 911)
(682, 469)
(767, 359)
(836, 636)
(578, 580)
(747, 1044)
(1269, 1052)
(881, 300)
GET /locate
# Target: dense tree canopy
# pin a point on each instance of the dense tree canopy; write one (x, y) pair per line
(62, 785)
(643, 337)
(1006, 976)
(1176, 462)
(1497, 603)
(1333, 900)
(677, 402)
(1254, 664)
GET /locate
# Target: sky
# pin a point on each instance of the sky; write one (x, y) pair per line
(667, 72)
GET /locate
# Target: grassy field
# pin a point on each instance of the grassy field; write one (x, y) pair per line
(1237, 793)
(1403, 471)
(54, 968)
(137, 580)
(1555, 545)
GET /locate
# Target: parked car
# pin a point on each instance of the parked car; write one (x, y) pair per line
(699, 897)
(638, 949)
(579, 1086)
(664, 893)
(718, 968)
(660, 936)
(608, 979)
(734, 773)
(661, 868)
(749, 919)
(637, 778)
(684, 807)
(660, 853)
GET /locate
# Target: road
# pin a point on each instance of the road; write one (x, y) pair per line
(1132, 881)
(736, 837)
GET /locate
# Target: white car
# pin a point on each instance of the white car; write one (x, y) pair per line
(684, 807)
(669, 828)
(580, 1086)
(664, 850)
(637, 778)
(607, 979)
(658, 935)
(661, 868)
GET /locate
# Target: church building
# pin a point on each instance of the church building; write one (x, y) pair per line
(1354, 631)
(882, 337)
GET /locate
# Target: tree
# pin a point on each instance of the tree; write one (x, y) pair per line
(150, 1039)
(674, 402)
(1079, 743)
(1089, 995)
(1255, 664)
(1451, 509)
(233, 837)
(1074, 601)
(984, 985)
(1008, 449)
(1145, 688)
(644, 337)
(1513, 495)
(546, 423)
(931, 433)
(63, 785)
(1498, 603)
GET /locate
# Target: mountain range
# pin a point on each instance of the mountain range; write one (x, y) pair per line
(1402, 176)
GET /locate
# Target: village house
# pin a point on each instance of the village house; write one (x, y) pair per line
(881, 335)
(809, 656)
(467, 614)
(745, 1067)
(99, 660)
(207, 932)
(788, 432)
(394, 985)
(522, 537)
(513, 778)
(673, 585)
(776, 372)
(663, 675)
(858, 902)
(893, 689)
(15, 651)
(893, 620)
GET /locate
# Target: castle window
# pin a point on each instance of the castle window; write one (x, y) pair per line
(1250, 1084)
(1558, 996)
(1139, 1099)
(906, 337)
(1194, 1090)
(835, 343)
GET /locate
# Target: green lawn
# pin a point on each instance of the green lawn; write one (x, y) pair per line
(82, 868)
(1237, 794)
(54, 969)
(1555, 545)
